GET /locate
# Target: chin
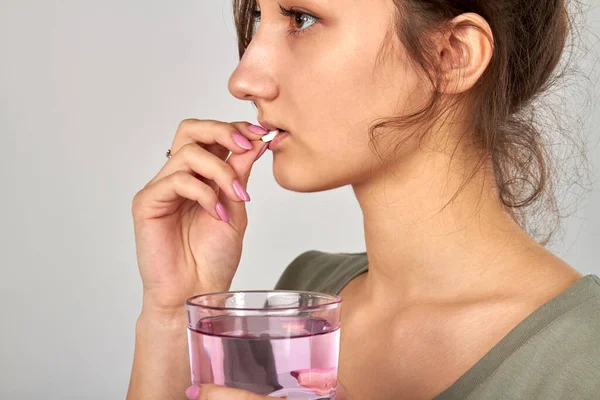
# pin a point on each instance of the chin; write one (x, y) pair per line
(305, 180)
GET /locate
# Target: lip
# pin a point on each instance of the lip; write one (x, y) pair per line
(269, 127)
(276, 143)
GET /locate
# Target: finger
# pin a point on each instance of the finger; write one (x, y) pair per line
(251, 131)
(242, 166)
(197, 131)
(216, 392)
(222, 137)
(193, 159)
(322, 381)
(242, 163)
(223, 153)
(164, 196)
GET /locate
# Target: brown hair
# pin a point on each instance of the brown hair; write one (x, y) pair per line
(529, 38)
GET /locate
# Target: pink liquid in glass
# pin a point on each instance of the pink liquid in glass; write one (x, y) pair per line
(292, 356)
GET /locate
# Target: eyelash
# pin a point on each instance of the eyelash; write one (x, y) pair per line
(290, 13)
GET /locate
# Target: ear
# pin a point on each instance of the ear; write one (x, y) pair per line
(464, 52)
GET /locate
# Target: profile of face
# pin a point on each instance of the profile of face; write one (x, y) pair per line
(325, 75)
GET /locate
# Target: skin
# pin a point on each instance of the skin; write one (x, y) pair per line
(447, 279)
(431, 272)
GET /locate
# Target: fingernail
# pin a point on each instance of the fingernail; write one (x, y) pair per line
(222, 212)
(240, 191)
(242, 141)
(259, 130)
(192, 392)
(264, 149)
(294, 374)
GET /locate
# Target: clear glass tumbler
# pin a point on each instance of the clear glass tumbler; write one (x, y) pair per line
(277, 343)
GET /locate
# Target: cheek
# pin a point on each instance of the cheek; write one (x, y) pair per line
(338, 88)
(346, 73)
(332, 89)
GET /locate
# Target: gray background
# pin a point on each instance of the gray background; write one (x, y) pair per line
(91, 93)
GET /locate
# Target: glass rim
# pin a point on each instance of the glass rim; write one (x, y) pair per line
(335, 300)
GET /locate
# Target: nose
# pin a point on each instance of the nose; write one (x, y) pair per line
(254, 77)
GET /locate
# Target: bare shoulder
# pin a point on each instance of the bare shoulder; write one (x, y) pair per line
(545, 277)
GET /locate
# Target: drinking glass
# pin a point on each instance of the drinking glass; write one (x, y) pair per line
(277, 342)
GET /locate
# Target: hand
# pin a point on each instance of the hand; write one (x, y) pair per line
(320, 381)
(183, 246)
(216, 392)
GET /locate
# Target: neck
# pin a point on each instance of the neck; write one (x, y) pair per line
(430, 237)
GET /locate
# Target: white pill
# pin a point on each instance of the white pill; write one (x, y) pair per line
(270, 136)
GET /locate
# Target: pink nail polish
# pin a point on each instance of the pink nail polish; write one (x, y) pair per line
(222, 212)
(242, 141)
(264, 149)
(259, 130)
(193, 392)
(240, 191)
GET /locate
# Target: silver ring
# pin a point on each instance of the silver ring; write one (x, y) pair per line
(168, 154)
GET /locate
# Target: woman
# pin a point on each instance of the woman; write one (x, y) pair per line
(421, 106)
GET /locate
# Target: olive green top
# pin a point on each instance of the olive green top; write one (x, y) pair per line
(553, 354)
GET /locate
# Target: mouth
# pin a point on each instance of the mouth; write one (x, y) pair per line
(278, 138)
(271, 135)
(274, 131)
(268, 126)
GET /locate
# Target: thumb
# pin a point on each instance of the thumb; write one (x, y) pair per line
(242, 165)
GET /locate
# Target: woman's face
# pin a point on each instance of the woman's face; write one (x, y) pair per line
(326, 81)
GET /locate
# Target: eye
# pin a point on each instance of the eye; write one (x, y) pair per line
(255, 21)
(298, 18)
(299, 21)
